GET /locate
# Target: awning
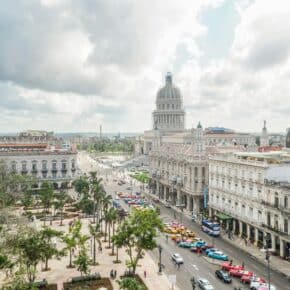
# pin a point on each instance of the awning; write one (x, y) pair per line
(223, 216)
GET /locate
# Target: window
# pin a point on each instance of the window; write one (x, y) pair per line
(286, 201)
(54, 164)
(276, 201)
(195, 171)
(286, 226)
(24, 166)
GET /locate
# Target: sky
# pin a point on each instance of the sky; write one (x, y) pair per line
(73, 65)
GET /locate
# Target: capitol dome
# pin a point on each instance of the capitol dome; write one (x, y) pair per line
(169, 113)
(168, 91)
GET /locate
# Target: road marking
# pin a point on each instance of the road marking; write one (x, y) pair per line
(195, 267)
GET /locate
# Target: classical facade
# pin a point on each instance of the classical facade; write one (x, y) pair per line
(41, 161)
(249, 192)
(179, 172)
(169, 114)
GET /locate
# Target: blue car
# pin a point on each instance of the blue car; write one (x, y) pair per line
(218, 255)
(185, 244)
(199, 244)
(211, 250)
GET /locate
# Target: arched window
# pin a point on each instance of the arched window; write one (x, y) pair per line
(54, 165)
(34, 166)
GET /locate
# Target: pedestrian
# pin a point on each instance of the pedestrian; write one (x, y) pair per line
(243, 264)
(178, 266)
(112, 274)
(115, 274)
(231, 262)
(145, 274)
(166, 238)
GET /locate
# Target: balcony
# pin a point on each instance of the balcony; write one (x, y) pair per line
(73, 169)
(24, 171)
(34, 171)
(64, 170)
(275, 229)
(44, 170)
(54, 170)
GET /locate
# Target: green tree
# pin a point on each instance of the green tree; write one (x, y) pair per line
(59, 203)
(83, 262)
(137, 234)
(81, 185)
(46, 197)
(28, 250)
(130, 283)
(49, 249)
(96, 235)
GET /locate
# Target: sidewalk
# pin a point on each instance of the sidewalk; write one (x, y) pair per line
(276, 263)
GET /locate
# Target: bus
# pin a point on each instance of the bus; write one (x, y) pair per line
(211, 228)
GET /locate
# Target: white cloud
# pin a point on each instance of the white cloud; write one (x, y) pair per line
(75, 64)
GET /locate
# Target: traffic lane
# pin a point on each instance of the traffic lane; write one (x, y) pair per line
(194, 266)
(235, 253)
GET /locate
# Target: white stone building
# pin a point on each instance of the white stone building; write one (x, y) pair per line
(44, 163)
(250, 193)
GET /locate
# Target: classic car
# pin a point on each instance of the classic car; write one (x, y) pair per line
(218, 255)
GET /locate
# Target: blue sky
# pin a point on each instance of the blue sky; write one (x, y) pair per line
(71, 65)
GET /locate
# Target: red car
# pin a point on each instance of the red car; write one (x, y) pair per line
(240, 273)
(246, 279)
(228, 266)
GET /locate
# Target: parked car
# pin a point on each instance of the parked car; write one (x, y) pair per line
(199, 244)
(185, 244)
(204, 284)
(167, 205)
(177, 258)
(223, 275)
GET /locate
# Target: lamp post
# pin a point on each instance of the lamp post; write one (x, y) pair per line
(267, 241)
(160, 265)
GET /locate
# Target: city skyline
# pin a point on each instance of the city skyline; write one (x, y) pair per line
(70, 66)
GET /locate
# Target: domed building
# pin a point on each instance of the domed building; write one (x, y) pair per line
(169, 114)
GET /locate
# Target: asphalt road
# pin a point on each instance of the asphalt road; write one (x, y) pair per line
(194, 265)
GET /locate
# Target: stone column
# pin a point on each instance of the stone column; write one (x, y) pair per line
(248, 231)
(188, 202)
(273, 241)
(282, 248)
(234, 226)
(240, 228)
(178, 196)
(256, 237)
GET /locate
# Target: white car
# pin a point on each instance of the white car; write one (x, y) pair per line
(204, 284)
(261, 286)
(177, 258)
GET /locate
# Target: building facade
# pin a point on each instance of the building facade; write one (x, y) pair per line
(41, 162)
(179, 172)
(249, 193)
(169, 114)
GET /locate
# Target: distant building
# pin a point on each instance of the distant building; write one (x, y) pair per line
(45, 163)
(288, 138)
(264, 139)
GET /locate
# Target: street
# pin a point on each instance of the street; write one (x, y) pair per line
(193, 265)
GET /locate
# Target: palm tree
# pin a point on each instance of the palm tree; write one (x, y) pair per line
(60, 202)
(96, 234)
(113, 217)
(96, 190)
(106, 202)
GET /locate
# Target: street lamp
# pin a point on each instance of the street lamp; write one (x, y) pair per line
(267, 241)
(160, 265)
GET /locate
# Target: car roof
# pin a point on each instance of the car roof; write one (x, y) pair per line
(203, 280)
